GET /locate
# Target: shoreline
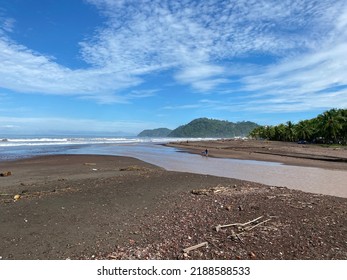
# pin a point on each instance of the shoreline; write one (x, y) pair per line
(111, 207)
(307, 155)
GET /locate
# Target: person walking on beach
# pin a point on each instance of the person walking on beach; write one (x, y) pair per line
(206, 153)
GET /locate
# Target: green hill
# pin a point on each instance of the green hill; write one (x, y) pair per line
(158, 132)
(204, 127)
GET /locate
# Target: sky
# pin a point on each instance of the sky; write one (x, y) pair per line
(121, 66)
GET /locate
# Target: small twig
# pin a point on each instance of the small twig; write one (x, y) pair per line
(187, 250)
(239, 238)
(214, 245)
(217, 191)
(238, 224)
(112, 257)
(250, 228)
(90, 163)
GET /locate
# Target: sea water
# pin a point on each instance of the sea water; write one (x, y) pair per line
(315, 180)
(12, 148)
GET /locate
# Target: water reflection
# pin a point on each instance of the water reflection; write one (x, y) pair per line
(315, 180)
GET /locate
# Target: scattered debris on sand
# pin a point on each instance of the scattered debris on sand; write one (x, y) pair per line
(5, 174)
(134, 168)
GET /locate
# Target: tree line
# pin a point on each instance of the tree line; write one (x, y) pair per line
(329, 127)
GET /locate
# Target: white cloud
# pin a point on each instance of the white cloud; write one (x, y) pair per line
(142, 93)
(8, 126)
(199, 41)
(202, 77)
(182, 107)
(309, 79)
(271, 104)
(26, 71)
(33, 124)
(7, 24)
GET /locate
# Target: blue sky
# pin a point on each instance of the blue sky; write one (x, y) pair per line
(123, 66)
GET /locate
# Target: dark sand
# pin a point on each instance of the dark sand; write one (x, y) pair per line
(309, 155)
(128, 209)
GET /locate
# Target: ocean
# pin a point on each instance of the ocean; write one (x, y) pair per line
(315, 180)
(12, 148)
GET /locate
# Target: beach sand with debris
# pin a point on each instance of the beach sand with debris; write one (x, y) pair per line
(108, 207)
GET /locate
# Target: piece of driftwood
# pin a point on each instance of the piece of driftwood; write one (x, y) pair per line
(112, 257)
(252, 227)
(219, 227)
(187, 250)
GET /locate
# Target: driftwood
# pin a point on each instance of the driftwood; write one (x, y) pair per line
(235, 236)
(252, 227)
(187, 250)
(219, 227)
(214, 190)
(112, 257)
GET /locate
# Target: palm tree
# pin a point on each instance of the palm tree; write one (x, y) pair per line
(257, 133)
(280, 132)
(343, 132)
(303, 130)
(330, 124)
(290, 132)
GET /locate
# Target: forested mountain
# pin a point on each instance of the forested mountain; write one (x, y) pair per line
(204, 127)
(158, 132)
(328, 127)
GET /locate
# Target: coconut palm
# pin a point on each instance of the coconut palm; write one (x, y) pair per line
(290, 132)
(280, 132)
(303, 130)
(330, 124)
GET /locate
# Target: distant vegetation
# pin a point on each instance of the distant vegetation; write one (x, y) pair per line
(329, 127)
(204, 127)
(158, 132)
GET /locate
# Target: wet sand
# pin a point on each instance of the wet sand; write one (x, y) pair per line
(97, 207)
(308, 155)
(309, 179)
(310, 168)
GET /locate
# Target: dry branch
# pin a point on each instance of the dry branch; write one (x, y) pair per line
(252, 227)
(237, 224)
(187, 250)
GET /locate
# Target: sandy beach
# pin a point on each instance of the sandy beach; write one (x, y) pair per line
(308, 155)
(107, 207)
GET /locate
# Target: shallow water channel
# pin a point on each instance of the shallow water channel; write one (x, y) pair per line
(308, 179)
